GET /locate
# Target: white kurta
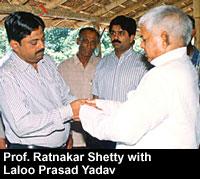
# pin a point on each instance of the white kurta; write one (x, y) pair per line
(161, 113)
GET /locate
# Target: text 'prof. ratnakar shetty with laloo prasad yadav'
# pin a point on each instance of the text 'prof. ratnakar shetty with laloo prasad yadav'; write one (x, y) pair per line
(67, 157)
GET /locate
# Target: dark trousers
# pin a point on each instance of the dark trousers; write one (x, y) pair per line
(94, 143)
(22, 146)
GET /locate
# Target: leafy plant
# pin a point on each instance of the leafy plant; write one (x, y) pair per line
(61, 43)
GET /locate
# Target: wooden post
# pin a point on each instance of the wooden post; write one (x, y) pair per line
(196, 15)
(97, 26)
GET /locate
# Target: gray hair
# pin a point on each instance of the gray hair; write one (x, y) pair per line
(171, 19)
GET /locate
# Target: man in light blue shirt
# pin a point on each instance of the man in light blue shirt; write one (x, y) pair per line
(35, 103)
(192, 51)
(121, 71)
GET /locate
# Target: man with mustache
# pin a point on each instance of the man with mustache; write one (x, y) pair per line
(78, 72)
(35, 103)
(119, 72)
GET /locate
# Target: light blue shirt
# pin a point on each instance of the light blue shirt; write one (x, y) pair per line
(1, 128)
(114, 77)
(195, 58)
(35, 105)
(2, 61)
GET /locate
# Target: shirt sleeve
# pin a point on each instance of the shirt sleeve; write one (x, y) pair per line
(22, 120)
(95, 86)
(127, 122)
(2, 135)
(198, 128)
(107, 106)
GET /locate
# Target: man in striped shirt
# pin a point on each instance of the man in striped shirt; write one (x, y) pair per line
(35, 103)
(119, 72)
(2, 134)
(192, 51)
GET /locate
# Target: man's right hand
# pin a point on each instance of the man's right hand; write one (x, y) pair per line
(75, 105)
(2, 143)
(91, 102)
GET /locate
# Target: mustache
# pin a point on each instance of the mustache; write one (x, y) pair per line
(116, 40)
(39, 51)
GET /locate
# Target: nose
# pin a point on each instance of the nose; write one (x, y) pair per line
(41, 44)
(91, 45)
(116, 35)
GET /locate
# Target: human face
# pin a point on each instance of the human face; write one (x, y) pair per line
(120, 38)
(151, 43)
(31, 48)
(87, 43)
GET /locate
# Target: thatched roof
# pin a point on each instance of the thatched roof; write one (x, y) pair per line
(76, 13)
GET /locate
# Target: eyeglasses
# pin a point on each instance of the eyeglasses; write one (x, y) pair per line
(118, 33)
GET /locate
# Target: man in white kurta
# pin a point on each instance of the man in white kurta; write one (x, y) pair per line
(163, 111)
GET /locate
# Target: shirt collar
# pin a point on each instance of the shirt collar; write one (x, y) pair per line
(125, 54)
(77, 61)
(169, 56)
(21, 64)
(195, 51)
(195, 57)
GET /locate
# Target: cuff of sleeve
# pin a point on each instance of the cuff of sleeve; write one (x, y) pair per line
(66, 112)
(2, 134)
(100, 103)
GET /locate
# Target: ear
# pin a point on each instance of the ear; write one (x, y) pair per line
(132, 37)
(14, 45)
(193, 32)
(78, 41)
(165, 39)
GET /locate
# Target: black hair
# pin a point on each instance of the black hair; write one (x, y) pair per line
(126, 23)
(20, 24)
(89, 29)
(192, 20)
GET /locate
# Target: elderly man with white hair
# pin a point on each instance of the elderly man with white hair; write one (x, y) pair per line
(163, 111)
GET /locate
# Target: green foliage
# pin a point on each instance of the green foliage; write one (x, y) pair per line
(137, 43)
(106, 46)
(61, 43)
(4, 47)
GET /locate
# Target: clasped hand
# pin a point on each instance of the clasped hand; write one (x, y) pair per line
(75, 105)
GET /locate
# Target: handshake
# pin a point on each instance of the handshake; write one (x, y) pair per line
(75, 105)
